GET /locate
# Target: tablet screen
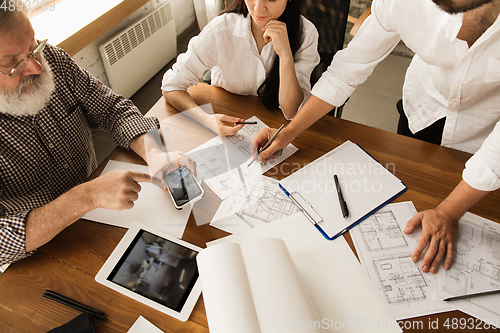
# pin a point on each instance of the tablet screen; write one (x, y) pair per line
(158, 269)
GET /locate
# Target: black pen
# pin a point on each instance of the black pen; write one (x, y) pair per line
(246, 123)
(343, 204)
(484, 293)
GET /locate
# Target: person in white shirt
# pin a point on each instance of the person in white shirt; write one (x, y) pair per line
(255, 47)
(455, 76)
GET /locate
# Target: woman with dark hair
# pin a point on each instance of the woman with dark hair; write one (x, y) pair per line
(255, 47)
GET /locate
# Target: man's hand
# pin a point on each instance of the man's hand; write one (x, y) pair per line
(440, 226)
(281, 141)
(117, 190)
(439, 230)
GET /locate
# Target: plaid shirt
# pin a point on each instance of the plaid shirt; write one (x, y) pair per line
(45, 155)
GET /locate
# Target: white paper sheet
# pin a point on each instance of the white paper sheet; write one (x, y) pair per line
(222, 162)
(142, 325)
(3, 268)
(385, 252)
(365, 183)
(475, 268)
(258, 202)
(153, 207)
(341, 291)
(253, 287)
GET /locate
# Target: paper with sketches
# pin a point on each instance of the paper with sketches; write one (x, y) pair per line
(258, 202)
(222, 162)
(385, 252)
(142, 325)
(153, 207)
(475, 268)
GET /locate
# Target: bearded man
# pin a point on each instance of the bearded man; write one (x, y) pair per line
(48, 106)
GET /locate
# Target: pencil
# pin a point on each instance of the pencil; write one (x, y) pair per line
(266, 145)
(246, 122)
(456, 298)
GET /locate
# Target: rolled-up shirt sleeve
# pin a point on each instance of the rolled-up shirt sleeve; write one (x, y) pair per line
(482, 170)
(13, 237)
(352, 66)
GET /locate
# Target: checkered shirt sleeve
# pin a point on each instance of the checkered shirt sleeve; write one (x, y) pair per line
(104, 109)
(45, 155)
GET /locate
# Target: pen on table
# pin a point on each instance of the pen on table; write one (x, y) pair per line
(484, 293)
(246, 123)
(343, 204)
(267, 144)
(74, 304)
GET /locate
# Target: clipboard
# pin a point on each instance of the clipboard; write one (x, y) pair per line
(366, 185)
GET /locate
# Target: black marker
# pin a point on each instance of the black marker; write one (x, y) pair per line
(343, 204)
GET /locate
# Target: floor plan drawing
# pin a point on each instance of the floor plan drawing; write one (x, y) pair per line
(258, 202)
(381, 231)
(401, 279)
(385, 252)
(223, 162)
(475, 268)
(477, 260)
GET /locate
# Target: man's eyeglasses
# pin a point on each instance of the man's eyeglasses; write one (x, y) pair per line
(21, 65)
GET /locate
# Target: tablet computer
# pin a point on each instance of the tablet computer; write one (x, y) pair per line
(155, 269)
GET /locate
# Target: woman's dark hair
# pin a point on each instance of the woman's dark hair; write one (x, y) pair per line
(268, 91)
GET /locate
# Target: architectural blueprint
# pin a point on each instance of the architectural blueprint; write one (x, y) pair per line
(222, 162)
(385, 252)
(475, 268)
(257, 202)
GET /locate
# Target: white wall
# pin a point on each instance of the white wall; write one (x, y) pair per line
(90, 57)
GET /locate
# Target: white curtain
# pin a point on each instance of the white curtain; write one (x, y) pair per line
(206, 10)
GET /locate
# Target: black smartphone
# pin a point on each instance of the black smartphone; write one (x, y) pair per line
(183, 187)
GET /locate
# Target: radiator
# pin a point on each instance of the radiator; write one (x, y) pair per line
(136, 54)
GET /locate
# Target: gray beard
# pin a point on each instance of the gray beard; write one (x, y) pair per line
(19, 103)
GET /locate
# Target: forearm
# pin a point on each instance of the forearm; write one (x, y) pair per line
(311, 112)
(460, 200)
(180, 100)
(183, 102)
(290, 94)
(45, 222)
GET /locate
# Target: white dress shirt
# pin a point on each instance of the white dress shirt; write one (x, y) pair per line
(445, 78)
(227, 47)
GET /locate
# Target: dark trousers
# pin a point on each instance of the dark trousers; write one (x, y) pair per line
(432, 133)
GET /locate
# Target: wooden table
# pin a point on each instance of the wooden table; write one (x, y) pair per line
(69, 263)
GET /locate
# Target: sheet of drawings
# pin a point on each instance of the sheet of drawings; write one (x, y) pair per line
(257, 202)
(475, 268)
(385, 252)
(222, 162)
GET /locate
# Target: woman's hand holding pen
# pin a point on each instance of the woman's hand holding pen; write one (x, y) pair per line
(281, 141)
(224, 125)
(276, 31)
